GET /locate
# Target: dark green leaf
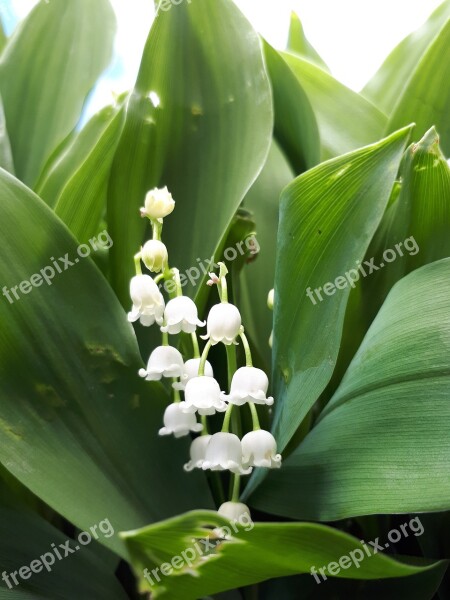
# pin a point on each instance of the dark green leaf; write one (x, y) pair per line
(78, 427)
(381, 444)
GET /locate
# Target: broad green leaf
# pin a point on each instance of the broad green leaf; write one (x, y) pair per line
(6, 160)
(257, 277)
(78, 427)
(254, 553)
(415, 229)
(295, 127)
(328, 216)
(82, 201)
(346, 120)
(381, 444)
(70, 156)
(24, 538)
(199, 121)
(298, 43)
(426, 98)
(389, 82)
(47, 69)
(3, 36)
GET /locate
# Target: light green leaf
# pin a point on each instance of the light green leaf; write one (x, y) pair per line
(389, 82)
(257, 277)
(298, 43)
(254, 553)
(199, 121)
(24, 538)
(81, 204)
(3, 37)
(78, 427)
(415, 229)
(328, 216)
(346, 120)
(295, 127)
(382, 443)
(70, 156)
(6, 160)
(46, 71)
(426, 98)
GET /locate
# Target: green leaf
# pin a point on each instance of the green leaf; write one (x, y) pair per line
(46, 71)
(298, 43)
(295, 127)
(257, 277)
(82, 201)
(426, 97)
(199, 121)
(415, 228)
(6, 160)
(3, 37)
(389, 82)
(78, 427)
(346, 120)
(69, 157)
(254, 553)
(328, 216)
(24, 538)
(381, 444)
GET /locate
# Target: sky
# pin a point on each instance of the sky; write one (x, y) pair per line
(352, 36)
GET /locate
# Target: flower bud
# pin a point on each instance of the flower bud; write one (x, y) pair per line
(158, 203)
(270, 299)
(154, 255)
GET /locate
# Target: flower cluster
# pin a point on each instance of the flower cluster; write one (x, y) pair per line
(194, 377)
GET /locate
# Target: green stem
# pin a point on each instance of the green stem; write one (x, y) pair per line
(248, 352)
(226, 420)
(176, 393)
(156, 229)
(236, 426)
(165, 338)
(223, 282)
(195, 345)
(158, 278)
(177, 280)
(137, 263)
(255, 418)
(236, 487)
(204, 422)
(201, 366)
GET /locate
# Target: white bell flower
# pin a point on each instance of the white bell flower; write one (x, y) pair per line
(197, 452)
(249, 384)
(235, 511)
(190, 371)
(181, 315)
(158, 203)
(154, 255)
(223, 323)
(202, 394)
(178, 422)
(224, 452)
(148, 302)
(259, 449)
(164, 361)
